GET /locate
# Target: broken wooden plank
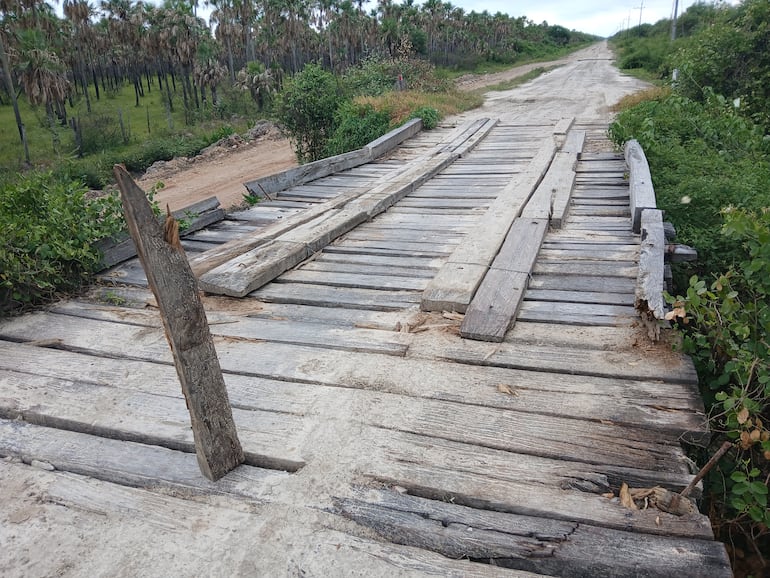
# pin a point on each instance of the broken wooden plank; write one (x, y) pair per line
(640, 183)
(530, 543)
(557, 183)
(650, 283)
(195, 217)
(176, 291)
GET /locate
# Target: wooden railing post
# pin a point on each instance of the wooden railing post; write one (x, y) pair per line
(184, 319)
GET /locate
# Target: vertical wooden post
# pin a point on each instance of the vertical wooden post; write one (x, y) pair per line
(184, 319)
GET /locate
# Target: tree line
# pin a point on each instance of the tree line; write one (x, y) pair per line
(93, 49)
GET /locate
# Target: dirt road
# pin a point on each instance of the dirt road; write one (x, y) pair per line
(584, 86)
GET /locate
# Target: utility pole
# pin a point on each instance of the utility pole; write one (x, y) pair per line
(673, 20)
(640, 8)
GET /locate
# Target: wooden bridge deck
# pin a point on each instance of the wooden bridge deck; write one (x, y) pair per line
(378, 440)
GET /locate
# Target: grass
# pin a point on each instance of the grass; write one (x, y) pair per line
(518, 81)
(401, 104)
(632, 100)
(101, 128)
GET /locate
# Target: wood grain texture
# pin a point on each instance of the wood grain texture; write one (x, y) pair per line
(184, 319)
(650, 283)
(555, 547)
(640, 183)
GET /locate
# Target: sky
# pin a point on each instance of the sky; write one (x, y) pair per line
(599, 17)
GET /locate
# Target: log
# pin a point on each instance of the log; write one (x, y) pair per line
(176, 290)
(640, 183)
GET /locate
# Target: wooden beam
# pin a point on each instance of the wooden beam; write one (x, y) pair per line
(184, 320)
(650, 283)
(494, 307)
(640, 183)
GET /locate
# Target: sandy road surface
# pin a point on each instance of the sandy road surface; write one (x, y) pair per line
(584, 86)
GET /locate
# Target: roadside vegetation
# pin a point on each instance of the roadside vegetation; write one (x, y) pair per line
(133, 82)
(707, 138)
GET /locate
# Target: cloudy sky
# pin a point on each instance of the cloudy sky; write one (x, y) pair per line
(600, 17)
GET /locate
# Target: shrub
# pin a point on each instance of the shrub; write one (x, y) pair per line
(725, 327)
(47, 228)
(429, 115)
(704, 157)
(306, 111)
(356, 125)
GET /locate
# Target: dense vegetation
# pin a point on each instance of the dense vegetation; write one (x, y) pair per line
(706, 138)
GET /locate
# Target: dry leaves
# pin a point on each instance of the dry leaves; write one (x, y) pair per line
(506, 389)
(657, 497)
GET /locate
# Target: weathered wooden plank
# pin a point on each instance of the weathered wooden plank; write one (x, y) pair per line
(509, 496)
(187, 332)
(493, 309)
(589, 253)
(129, 463)
(238, 246)
(557, 308)
(668, 408)
(238, 277)
(307, 172)
(197, 216)
(564, 318)
(597, 211)
(325, 296)
(109, 516)
(555, 186)
(587, 268)
(392, 139)
(640, 183)
(355, 280)
(494, 306)
(531, 543)
(570, 296)
(454, 286)
(365, 269)
(563, 125)
(269, 439)
(435, 244)
(411, 262)
(521, 245)
(593, 478)
(434, 203)
(418, 235)
(406, 252)
(619, 364)
(650, 282)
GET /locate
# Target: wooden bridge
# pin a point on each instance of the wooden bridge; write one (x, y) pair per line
(435, 364)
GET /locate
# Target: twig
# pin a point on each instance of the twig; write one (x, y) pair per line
(705, 469)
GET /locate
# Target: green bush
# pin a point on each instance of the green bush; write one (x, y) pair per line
(429, 115)
(725, 328)
(47, 228)
(376, 75)
(356, 125)
(306, 110)
(704, 157)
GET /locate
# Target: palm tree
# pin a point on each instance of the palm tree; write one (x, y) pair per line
(8, 79)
